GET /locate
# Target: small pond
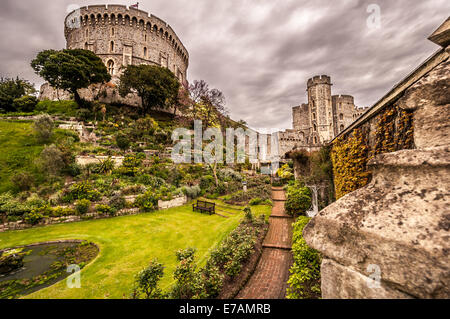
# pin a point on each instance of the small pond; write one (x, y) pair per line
(42, 265)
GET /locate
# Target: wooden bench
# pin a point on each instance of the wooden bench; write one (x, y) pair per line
(204, 207)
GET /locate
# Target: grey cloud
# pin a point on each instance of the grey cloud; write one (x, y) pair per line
(259, 52)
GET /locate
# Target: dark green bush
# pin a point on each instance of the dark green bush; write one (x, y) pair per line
(105, 210)
(82, 206)
(304, 282)
(81, 190)
(33, 217)
(146, 282)
(298, 199)
(26, 103)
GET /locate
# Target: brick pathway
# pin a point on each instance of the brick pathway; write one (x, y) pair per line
(272, 272)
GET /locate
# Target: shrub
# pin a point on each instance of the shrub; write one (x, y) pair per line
(192, 192)
(206, 181)
(105, 210)
(23, 181)
(33, 217)
(304, 282)
(26, 103)
(148, 201)
(255, 201)
(82, 206)
(130, 164)
(298, 199)
(81, 190)
(185, 275)
(62, 211)
(117, 201)
(248, 217)
(147, 280)
(51, 160)
(43, 126)
(122, 141)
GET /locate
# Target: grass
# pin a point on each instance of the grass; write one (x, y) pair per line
(20, 149)
(127, 244)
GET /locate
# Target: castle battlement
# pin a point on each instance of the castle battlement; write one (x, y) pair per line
(319, 79)
(342, 98)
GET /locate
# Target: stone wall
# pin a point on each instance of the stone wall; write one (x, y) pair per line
(390, 238)
(85, 160)
(20, 224)
(178, 201)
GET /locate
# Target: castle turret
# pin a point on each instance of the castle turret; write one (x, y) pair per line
(343, 112)
(320, 108)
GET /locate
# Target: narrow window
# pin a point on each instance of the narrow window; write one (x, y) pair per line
(112, 31)
(111, 48)
(111, 67)
(341, 128)
(145, 52)
(341, 116)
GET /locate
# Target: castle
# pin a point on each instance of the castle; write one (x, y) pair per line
(121, 36)
(317, 122)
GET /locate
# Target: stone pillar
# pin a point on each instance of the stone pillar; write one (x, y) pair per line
(397, 227)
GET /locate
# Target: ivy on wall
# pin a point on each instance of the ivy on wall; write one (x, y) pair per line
(349, 157)
(394, 131)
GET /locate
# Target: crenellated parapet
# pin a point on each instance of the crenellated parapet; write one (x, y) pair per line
(319, 79)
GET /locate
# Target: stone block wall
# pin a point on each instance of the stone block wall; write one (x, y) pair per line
(390, 238)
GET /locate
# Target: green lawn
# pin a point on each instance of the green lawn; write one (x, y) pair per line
(19, 150)
(127, 244)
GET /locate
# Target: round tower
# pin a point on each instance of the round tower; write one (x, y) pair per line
(121, 36)
(320, 108)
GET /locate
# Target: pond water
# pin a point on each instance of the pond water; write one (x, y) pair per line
(44, 265)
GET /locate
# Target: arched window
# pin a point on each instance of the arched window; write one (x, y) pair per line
(86, 46)
(110, 66)
(314, 116)
(111, 46)
(315, 140)
(145, 52)
(341, 116)
(112, 31)
(145, 37)
(315, 127)
(341, 128)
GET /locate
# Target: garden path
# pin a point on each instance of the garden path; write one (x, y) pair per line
(269, 281)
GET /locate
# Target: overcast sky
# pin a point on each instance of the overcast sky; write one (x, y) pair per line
(260, 53)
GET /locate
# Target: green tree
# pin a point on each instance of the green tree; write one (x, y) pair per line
(26, 103)
(70, 70)
(12, 89)
(155, 85)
